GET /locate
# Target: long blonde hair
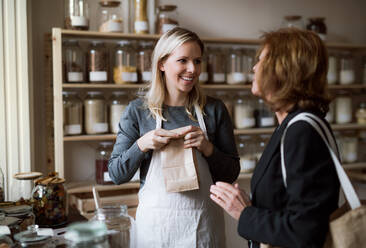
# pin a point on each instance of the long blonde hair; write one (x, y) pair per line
(156, 93)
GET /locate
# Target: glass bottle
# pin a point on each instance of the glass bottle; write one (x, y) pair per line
(347, 70)
(144, 61)
(76, 14)
(22, 213)
(74, 62)
(110, 16)
(235, 70)
(227, 100)
(247, 154)
(293, 21)
(317, 25)
(32, 238)
(101, 163)
(97, 62)
(261, 145)
(118, 104)
(264, 116)
(203, 78)
(216, 65)
(349, 147)
(125, 64)
(95, 114)
(244, 111)
(72, 113)
(117, 219)
(92, 234)
(141, 21)
(343, 109)
(361, 113)
(168, 18)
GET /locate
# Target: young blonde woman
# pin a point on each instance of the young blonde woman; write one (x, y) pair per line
(174, 100)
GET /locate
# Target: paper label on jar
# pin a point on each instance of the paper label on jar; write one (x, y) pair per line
(219, 77)
(347, 77)
(112, 26)
(129, 76)
(166, 27)
(45, 232)
(236, 78)
(4, 230)
(343, 118)
(73, 129)
(98, 76)
(146, 75)
(331, 77)
(203, 77)
(106, 177)
(79, 21)
(115, 116)
(100, 127)
(141, 26)
(267, 122)
(350, 157)
(74, 76)
(246, 164)
(245, 122)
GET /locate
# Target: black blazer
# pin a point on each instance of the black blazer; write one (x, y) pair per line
(296, 216)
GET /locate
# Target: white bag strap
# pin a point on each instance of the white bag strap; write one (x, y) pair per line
(158, 122)
(346, 185)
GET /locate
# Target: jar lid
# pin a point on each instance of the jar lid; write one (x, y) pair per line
(51, 179)
(96, 42)
(109, 3)
(119, 93)
(146, 43)
(106, 143)
(123, 42)
(15, 211)
(167, 7)
(28, 175)
(86, 231)
(292, 17)
(93, 93)
(31, 236)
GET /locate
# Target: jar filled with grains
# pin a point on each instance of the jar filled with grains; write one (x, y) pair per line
(95, 114)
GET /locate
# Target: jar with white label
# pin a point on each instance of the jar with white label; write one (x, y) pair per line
(168, 18)
(118, 104)
(110, 16)
(331, 112)
(95, 114)
(76, 14)
(248, 60)
(247, 154)
(235, 70)
(216, 65)
(101, 163)
(332, 75)
(97, 62)
(343, 109)
(144, 61)
(74, 62)
(203, 78)
(125, 63)
(141, 24)
(244, 111)
(72, 113)
(264, 116)
(227, 100)
(349, 147)
(361, 113)
(347, 69)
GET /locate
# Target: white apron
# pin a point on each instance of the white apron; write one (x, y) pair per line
(178, 220)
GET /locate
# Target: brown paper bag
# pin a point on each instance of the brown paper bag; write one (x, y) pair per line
(179, 167)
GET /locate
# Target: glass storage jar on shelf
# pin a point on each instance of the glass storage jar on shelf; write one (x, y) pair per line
(361, 113)
(347, 69)
(244, 111)
(216, 65)
(332, 75)
(349, 147)
(227, 100)
(343, 108)
(92, 234)
(97, 62)
(33, 237)
(23, 215)
(264, 116)
(125, 63)
(74, 62)
(141, 24)
(331, 112)
(117, 219)
(101, 163)
(293, 21)
(261, 145)
(110, 16)
(118, 104)
(317, 25)
(247, 154)
(144, 58)
(167, 18)
(203, 78)
(248, 59)
(235, 70)
(72, 113)
(95, 113)
(76, 14)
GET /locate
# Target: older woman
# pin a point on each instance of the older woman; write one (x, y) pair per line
(291, 77)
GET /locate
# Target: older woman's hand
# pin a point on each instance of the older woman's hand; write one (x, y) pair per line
(231, 198)
(194, 137)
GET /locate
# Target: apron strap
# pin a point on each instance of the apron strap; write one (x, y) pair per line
(158, 122)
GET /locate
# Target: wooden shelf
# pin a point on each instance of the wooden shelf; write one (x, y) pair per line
(245, 176)
(90, 137)
(250, 131)
(350, 126)
(85, 187)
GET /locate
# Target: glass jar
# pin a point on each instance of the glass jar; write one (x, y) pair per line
(74, 62)
(261, 145)
(361, 113)
(362, 146)
(49, 201)
(144, 62)
(216, 65)
(76, 14)
(95, 114)
(343, 109)
(235, 70)
(32, 239)
(97, 62)
(332, 75)
(141, 21)
(5, 241)
(347, 70)
(224, 96)
(247, 153)
(101, 163)
(92, 234)
(248, 59)
(125, 64)
(264, 116)
(118, 104)
(317, 25)
(2, 186)
(117, 219)
(72, 113)
(331, 112)
(293, 21)
(349, 147)
(203, 78)
(23, 214)
(168, 18)
(110, 16)
(244, 111)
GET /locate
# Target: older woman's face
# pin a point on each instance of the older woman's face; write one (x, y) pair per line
(257, 73)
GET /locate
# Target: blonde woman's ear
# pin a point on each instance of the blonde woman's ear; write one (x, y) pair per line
(161, 66)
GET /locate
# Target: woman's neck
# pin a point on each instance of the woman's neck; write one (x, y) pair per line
(177, 99)
(281, 115)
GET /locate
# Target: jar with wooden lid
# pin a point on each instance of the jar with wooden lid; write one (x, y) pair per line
(118, 104)
(343, 107)
(317, 25)
(247, 154)
(167, 18)
(97, 61)
(110, 16)
(125, 63)
(76, 14)
(141, 23)
(293, 21)
(49, 201)
(72, 113)
(74, 62)
(244, 111)
(347, 69)
(235, 70)
(101, 163)
(95, 114)
(216, 65)
(144, 61)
